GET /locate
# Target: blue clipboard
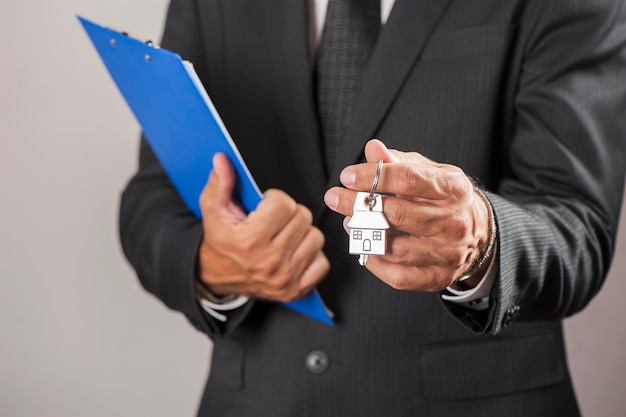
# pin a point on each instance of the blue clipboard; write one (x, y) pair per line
(181, 125)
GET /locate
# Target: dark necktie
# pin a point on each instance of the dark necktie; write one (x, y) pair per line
(350, 32)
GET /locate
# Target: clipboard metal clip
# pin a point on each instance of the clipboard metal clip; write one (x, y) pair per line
(113, 42)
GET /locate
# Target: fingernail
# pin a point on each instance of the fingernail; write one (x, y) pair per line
(331, 198)
(348, 177)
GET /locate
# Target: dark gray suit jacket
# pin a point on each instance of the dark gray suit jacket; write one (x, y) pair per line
(527, 96)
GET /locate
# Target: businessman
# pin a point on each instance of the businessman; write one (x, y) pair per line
(501, 129)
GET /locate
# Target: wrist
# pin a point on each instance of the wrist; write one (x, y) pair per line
(205, 292)
(210, 291)
(478, 268)
(471, 279)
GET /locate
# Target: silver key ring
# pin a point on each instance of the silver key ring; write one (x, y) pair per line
(371, 199)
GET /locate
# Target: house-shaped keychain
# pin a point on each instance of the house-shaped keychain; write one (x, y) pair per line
(368, 227)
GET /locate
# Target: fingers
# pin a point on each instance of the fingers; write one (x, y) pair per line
(286, 273)
(405, 174)
(295, 230)
(309, 263)
(277, 272)
(424, 251)
(420, 179)
(302, 263)
(272, 214)
(435, 206)
(274, 253)
(427, 251)
(430, 197)
(413, 216)
(409, 278)
(313, 274)
(270, 217)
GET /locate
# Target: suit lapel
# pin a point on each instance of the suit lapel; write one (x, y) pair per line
(401, 41)
(410, 24)
(286, 24)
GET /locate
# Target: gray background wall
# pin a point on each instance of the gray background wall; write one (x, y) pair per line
(78, 337)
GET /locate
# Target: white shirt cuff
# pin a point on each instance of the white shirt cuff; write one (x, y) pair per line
(213, 307)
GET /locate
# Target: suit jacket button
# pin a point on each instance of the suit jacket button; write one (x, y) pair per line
(317, 361)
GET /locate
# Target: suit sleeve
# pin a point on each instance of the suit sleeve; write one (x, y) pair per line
(557, 209)
(159, 235)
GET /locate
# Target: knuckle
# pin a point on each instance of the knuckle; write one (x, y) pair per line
(324, 268)
(447, 185)
(285, 287)
(407, 178)
(394, 256)
(436, 280)
(398, 282)
(288, 296)
(270, 265)
(399, 254)
(281, 283)
(304, 213)
(313, 241)
(393, 282)
(282, 199)
(396, 212)
(456, 256)
(459, 224)
(457, 183)
(315, 271)
(317, 238)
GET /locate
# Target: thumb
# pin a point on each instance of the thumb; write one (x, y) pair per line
(375, 150)
(222, 179)
(217, 194)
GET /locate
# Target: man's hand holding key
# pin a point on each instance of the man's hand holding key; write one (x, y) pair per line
(443, 220)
